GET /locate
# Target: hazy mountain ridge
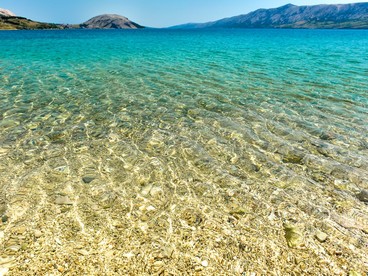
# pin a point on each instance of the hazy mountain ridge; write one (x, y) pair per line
(291, 16)
(343, 16)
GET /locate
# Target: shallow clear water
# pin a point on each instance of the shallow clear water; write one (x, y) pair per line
(199, 125)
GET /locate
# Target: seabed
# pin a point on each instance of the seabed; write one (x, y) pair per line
(200, 162)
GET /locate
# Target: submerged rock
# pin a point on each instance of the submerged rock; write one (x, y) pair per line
(83, 252)
(63, 200)
(88, 179)
(363, 196)
(4, 218)
(293, 235)
(8, 123)
(156, 191)
(14, 248)
(37, 233)
(294, 157)
(328, 135)
(321, 236)
(204, 263)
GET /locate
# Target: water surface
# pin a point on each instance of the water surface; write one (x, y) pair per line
(153, 151)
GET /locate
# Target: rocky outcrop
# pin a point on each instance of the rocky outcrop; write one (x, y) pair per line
(4, 12)
(347, 16)
(110, 21)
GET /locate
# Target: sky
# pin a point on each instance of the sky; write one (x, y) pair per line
(151, 13)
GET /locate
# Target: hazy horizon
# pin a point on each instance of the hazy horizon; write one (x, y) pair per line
(161, 13)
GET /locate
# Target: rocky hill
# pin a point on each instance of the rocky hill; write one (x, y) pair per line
(110, 21)
(9, 21)
(22, 23)
(347, 16)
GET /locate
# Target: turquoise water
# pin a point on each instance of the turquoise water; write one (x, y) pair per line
(200, 122)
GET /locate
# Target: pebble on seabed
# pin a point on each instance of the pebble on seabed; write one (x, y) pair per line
(320, 236)
(37, 233)
(363, 196)
(293, 235)
(4, 218)
(63, 200)
(88, 179)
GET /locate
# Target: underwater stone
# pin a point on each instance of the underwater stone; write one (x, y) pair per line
(146, 190)
(363, 196)
(88, 179)
(20, 230)
(6, 261)
(4, 218)
(293, 157)
(293, 235)
(158, 264)
(328, 136)
(56, 135)
(14, 248)
(321, 236)
(63, 200)
(37, 233)
(7, 123)
(83, 252)
(156, 191)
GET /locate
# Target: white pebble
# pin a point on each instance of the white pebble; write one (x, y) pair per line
(4, 271)
(37, 233)
(204, 263)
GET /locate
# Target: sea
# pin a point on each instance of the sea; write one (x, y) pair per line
(216, 152)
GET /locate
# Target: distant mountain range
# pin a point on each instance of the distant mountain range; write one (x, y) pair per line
(347, 16)
(9, 21)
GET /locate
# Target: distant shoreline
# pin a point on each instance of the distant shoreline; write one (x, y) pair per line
(333, 16)
(190, 30)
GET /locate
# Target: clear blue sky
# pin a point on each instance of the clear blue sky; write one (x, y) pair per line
(152, 13)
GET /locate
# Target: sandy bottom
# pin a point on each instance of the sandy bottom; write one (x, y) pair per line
(108, 206)
(165, 152)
